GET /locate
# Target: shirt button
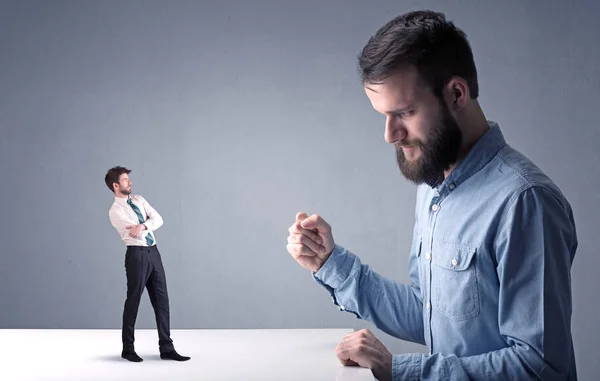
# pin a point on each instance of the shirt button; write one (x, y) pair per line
(428, 306)
(342, 308)
(435, 207)
(454, 262)
(428, 256)
(452, 186)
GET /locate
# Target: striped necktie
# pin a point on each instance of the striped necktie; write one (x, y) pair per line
(141, 219)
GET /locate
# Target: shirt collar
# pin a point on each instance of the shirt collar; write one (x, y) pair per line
(480, 154)
(121, 200)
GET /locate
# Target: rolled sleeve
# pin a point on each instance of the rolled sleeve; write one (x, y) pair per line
(406, 367)
(336, 269)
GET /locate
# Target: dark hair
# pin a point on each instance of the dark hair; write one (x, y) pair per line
(112, 176)
(426, 41)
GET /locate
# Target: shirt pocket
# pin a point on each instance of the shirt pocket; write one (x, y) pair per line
(454, 281)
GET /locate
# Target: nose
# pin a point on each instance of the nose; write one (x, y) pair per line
(394, 130)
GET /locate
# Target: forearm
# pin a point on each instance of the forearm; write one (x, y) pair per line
(154, 219)
(518, 362)
(393, 307)
(153, 223)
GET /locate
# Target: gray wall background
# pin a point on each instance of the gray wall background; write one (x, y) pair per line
(235, 115)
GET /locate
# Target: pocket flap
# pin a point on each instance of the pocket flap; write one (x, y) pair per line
(452, 256)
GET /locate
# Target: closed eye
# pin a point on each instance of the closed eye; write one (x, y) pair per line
(405, 114)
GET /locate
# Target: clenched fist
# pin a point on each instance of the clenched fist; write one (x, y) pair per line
(310, 241)
(362, 348)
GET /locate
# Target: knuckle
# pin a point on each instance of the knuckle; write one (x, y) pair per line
(361, 351)
(304, 250)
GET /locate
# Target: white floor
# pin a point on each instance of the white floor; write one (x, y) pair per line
(216, 355)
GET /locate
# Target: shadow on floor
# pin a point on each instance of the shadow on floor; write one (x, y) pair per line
(117, 358)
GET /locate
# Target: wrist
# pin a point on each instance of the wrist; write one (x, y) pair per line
(383, 368)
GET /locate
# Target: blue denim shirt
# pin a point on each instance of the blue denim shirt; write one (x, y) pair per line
(490, 291)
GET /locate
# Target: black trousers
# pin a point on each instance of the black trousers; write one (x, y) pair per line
(144, 269)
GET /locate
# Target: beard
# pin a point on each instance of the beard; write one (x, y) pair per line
(124, 191)
(438, 153)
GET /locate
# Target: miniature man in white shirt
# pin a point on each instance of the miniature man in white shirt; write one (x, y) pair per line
(136, 221)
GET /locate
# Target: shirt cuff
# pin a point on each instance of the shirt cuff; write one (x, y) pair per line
(336, 269)
(406, 367)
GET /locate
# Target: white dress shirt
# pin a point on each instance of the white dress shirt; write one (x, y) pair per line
(122, 214)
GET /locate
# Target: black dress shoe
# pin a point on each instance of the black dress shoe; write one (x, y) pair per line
(131, 356)
(173, 356)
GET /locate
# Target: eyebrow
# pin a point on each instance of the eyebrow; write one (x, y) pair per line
(401, 110)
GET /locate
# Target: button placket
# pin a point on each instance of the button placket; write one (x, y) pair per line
(434, 209)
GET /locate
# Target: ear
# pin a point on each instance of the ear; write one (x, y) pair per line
(456, 94)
